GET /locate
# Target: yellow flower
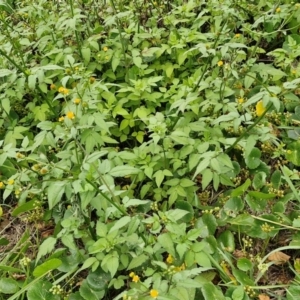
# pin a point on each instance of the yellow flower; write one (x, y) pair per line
(61, 119)
(294, 71)
(154, 293)
(63, 90)
(220, 63)
(70, 115)
(77, 101)
(1, 185)
(260, 109)
(169, 259)
(241, 100)
(10, 181)
(107, 57)
(135, 278)
(237, 35)
(92, 79)
(105, 49)
(131, 274)
(278, 9)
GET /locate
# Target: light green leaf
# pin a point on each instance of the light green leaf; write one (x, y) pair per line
(46, 247)
(8, 286)
(55, 192)
(137, 261)
(120, 223)
(47, 266)
(121, 171)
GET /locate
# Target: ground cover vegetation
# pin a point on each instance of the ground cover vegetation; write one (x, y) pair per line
(149, 149)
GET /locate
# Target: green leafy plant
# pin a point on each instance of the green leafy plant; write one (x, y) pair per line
(149, 149)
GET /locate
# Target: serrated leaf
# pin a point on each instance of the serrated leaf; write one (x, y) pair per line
(55, 192)
(138, 261)
(120, 223)
(46, 247)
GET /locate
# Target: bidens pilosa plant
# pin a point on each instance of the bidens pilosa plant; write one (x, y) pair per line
(149, 149)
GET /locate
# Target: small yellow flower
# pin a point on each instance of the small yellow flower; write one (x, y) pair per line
(107, 57)
(278, 9)
(17, 192)
(1, 185)
(92, 79)
(70, 115)
(169, 259)
(154, 293)
(135, 278)
(63, 91)
(52, 87)
(77, 101)
(61, 119)
(105, 49)
(10, 181)
(260, 109)
(237, 35)
(131, 274)
(241, 100)
(294, 71)
(220, 63)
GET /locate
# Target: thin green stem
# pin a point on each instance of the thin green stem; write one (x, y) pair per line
(121, 38)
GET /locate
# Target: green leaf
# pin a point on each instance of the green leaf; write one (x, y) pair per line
(98, 280)
(241, 189)
(260, 195)
(226, 240)
(55, 192)
(87, 293)
(259, 180)
(183, 205)
(138, 261)
(207, 176)
(244, 264)
(24, 207)
(120, 223)
(276, 179)
(86, 53)
(47, 266)
(210, 291)
(242, 277)
(166, 242)
(40, 291)
(203, 165)
(46, 247)
(121, 171)
(293, 153)
(253, 159)
(111, 262)
(159, 177)
(5, 72)
(238, 293)
(8, 286)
